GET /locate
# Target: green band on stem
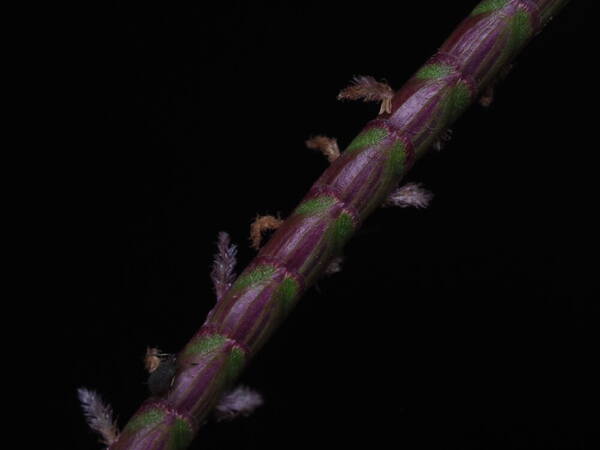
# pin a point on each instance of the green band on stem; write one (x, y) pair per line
(315, 205)
(146, 419)
(204, 344)
(235, 364)
(343, 227)
(286, 293)
(368, 138)
(434, 71)
(256, 276)
(488, 6)
(520, 30)
(459, 100)
(181, 435)
(397, 158)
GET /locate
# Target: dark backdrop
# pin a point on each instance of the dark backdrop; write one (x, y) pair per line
(469, 325)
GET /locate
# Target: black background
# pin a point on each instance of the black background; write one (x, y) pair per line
(469, 325)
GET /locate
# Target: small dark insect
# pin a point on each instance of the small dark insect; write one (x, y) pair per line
(161, 379)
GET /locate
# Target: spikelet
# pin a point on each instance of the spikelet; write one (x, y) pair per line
(153, 358)
(259, 226)
(326, 145)
(241, 401)
(98, 415)
(410, 195)
(223, 274)
(368, 89)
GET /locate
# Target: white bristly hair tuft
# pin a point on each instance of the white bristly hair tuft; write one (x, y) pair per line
(241, 401)
(98, 415)
(411, 195)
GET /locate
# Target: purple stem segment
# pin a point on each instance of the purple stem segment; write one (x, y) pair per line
(352, 187)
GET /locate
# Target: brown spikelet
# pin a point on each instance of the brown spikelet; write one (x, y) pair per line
(153, 358)
(260, 225)
(326, 145)
(368, 89)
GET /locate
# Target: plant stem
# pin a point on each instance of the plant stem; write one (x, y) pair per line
(352, 187)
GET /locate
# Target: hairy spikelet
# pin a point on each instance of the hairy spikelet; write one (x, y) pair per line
(411, 195)
(326, 145)
(153, 358)
(241, 401)
(223, 274)
(259, 226)
(368, 89)
(98, 415)
(334, 266)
